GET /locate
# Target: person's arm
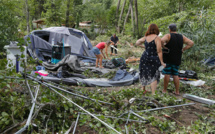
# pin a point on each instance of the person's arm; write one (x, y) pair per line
(117, 41)
(159, 50)
(102, 53)
(189, 43)
(164, 40)
(140, 42)
(106, 51)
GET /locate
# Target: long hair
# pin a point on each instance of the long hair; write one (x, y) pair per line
(152, 29)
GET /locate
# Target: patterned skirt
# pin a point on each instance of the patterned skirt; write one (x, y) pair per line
(149, 69)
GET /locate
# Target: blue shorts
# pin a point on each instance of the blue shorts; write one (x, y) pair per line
(96, 51)
(170, 69)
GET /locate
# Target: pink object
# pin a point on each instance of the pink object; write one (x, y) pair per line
(101, 45)
(42, 72)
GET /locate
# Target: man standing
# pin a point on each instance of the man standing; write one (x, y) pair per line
(172, 44)
(114, 39)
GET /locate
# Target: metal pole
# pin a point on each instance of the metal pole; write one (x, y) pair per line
(44, 83)
(135, 131)
(32, 97)
(76, 123)
(138, 115)
(159, 108)
(128, 118)
(119, 118)
(59, 85)
(85, 110)
(30, 114)
(126, 130)
(123, 114)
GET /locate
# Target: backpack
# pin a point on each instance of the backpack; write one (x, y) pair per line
(188, 74)
(118, 62)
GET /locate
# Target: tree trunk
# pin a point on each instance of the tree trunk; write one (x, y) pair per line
(126, 18)
(67, 13)
(120, 17)
(27, 16)
(144, 21)
(136, 17)
(117, 10)
(132, 17)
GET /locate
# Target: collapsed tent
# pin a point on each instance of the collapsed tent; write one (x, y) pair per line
(40, 44)
(121, 78)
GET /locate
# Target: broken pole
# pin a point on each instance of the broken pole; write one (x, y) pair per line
(199, 99)
(159, 108)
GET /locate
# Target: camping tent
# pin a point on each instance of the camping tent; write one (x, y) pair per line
(41, 40)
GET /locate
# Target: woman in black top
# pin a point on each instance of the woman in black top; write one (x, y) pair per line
(151, 58)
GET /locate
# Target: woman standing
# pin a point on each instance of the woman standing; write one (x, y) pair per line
(151, 58)
(98, 51)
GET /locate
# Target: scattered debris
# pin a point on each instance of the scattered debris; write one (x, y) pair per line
(167, 116)
(199, 99)
(132, 59)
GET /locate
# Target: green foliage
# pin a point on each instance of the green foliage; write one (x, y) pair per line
(54, 13)
(8, 22)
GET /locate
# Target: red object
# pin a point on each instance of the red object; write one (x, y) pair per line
(42, 73)
(101, 45)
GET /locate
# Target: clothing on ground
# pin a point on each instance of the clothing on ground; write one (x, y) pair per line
(175, 46)
(170, 69)
(149, 64)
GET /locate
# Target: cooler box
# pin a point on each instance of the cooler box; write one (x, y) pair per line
(58, 53)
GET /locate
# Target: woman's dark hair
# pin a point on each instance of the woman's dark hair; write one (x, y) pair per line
(108, 42)
(152, 29)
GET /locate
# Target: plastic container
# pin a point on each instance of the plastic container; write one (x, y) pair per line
(52, 41)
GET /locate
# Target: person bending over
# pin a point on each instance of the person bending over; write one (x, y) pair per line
(172, 44)
(98, 51)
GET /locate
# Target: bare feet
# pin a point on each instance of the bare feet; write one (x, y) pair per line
(176, 94)
(144, 92)
(101, 67)
(163, 91)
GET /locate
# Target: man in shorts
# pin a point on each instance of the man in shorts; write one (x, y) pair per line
(172, 44)
(114, 39)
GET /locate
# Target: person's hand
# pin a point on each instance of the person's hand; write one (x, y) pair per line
(163, 64)
(182, 50)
